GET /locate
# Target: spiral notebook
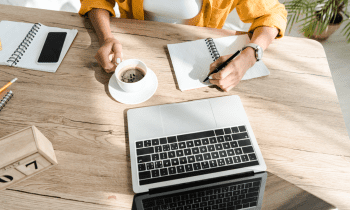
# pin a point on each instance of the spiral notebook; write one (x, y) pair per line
(22, 44)
(191, 60)
(4, 98)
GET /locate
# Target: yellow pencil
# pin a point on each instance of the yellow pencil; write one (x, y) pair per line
(0, 45)
(8, 84)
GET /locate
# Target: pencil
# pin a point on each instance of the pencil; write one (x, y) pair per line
(0, 45)
(223, 65)
(8, 84)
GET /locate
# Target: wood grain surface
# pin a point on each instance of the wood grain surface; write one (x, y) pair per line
(294, 113)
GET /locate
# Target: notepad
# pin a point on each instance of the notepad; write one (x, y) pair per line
(4, 98)
(191, 60)
(22, 44)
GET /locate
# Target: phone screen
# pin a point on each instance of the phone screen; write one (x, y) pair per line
(52, 47)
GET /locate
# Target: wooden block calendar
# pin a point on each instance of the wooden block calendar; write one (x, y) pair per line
(24, 154)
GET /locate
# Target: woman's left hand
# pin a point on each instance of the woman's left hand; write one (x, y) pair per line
(232, 74)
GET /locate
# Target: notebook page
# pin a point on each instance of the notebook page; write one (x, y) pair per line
(191, 61)
(11, 35)
(30, 59)
(229, 45)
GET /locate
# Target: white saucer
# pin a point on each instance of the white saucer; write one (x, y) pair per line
(133, 98)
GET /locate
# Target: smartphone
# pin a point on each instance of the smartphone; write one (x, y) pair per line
(52, 47)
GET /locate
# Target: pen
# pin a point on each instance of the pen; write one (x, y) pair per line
(223, 65)
(8, 84)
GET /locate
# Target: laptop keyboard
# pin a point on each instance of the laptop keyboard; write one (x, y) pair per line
(194, 154)
(239, 195)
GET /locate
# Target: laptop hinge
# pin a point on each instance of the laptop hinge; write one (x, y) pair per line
(198, 183)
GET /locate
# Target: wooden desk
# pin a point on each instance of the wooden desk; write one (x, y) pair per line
(294, 113)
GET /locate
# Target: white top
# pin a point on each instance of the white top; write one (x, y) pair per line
(171, 11)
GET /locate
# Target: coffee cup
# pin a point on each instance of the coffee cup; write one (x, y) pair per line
(132, 75)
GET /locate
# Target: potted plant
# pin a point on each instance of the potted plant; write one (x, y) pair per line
(320, 18)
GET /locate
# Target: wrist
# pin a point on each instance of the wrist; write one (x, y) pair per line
(249, 53)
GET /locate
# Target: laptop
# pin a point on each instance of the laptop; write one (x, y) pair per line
(191, 141)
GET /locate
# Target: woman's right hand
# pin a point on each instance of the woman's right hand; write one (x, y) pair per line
(110, 54)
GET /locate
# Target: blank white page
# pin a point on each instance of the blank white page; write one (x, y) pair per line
(191, 60)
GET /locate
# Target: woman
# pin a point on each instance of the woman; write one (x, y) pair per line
(268, 18)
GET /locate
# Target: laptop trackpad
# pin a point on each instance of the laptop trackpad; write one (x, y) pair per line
(187, 118)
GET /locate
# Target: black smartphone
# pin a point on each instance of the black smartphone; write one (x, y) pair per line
(52, 47)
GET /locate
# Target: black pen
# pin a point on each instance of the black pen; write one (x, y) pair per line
(223, 65)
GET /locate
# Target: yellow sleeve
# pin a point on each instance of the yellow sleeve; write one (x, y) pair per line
(87, 5)
(263, 13)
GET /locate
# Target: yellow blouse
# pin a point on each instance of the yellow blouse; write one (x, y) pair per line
(213, 13)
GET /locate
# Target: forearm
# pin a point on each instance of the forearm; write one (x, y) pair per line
(101, 23)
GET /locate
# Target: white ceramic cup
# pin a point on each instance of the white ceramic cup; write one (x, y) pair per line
(134, 86)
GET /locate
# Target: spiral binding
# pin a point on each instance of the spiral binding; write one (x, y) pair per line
(212, 48)
(5, 99)
(21, 49)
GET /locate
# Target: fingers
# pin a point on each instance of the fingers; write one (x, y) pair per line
(109, 55)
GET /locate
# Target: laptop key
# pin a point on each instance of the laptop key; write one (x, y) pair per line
(243, 143)
(142, 167)
(203, 149)
(244, 158)
(145, 175)
(163, 141)
(221, 162)
(171, 139)
(179, 153)
(218, 146)
(155, 142)
(197, 143)
(158, 148)
(147, 143)
(199, 135)
(150, 166)
(205, 164)
(222, 153)
(163, 155)
(238, 151)
(171, 154)
(252, 156)
(187, 152)
(190, 144)
(230, 152)
(144, 159)
(242, 128)
(226, 145)
(213, 163)
(228, 160)
(207, 156)
(155, 173)
(189, 167)
(191, 159)
(228, 138)
(174, 146)
(196, 166)
(180, 169)
(215, 155)
(248, 149)
(234, 144)
(145, 151)
(172, 170)
(237, 159)
(211, 148)
(227, 130)
(238, 136)
(205, 141)
(199, 157)
(195, 150)
(182, 145)
(220, 139)
(159, 164)
(219, 132)
(174, 162)
(139, 144)
(234, 129)
(166, 148)
(155, 157)
(213, 140)
(183, 160)
(166, 163)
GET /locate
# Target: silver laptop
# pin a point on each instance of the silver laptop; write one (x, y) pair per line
(187, 142)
